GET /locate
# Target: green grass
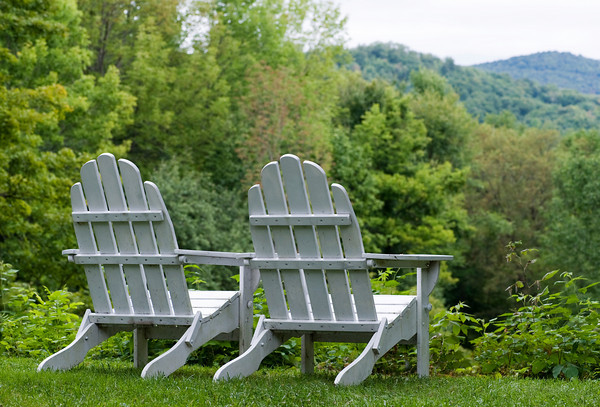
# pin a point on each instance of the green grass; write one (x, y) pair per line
(112, 383)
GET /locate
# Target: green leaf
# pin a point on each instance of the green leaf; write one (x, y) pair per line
(556, 370)
(538, 365)
(571, 371)
(549, 275)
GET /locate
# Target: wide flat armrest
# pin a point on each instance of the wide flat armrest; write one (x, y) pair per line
(404, 260)
(210, 257)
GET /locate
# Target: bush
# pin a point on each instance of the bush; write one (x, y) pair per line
(549, 334)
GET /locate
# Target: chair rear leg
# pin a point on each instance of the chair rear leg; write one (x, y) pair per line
(140, 348)
(308, 354)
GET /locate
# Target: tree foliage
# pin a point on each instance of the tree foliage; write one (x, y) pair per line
(509, 188)
(483, 92)
(407, 202)
(572, 218)
(201, 94)
(47, 104)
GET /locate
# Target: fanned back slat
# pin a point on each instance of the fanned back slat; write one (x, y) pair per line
(306, 238)
(263, 247)
(94, 193)
(353, 248)
(167, 243)
(87, 245)
(124, 234)
(329, 239)
(153, 275)
(293, 280)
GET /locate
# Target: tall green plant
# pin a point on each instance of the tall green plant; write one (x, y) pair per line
(554, 330)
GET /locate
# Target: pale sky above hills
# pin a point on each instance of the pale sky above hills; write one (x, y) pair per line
(476, 31)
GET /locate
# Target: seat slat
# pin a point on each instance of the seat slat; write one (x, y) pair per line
(392, 299)
(199, 295)
(306, 238)
(94, 194)
(293, 280)
(330, 242)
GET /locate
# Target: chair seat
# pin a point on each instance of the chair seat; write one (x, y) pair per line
(390, 306)
(208, 302)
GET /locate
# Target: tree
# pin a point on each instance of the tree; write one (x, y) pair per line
(45, 100)
(449, 126)
(407, 204)
(509, 187)
(571, 240)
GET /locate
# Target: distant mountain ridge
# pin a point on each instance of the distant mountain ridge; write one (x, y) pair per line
(562, 69)
(483, 92)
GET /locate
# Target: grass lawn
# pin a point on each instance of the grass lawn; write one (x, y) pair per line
(113, 383)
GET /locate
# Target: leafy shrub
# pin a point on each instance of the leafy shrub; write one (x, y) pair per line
(554, 330)
(37, 326)
(549, 334)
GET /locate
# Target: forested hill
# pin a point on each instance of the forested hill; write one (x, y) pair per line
(482, 92)
(562, 69)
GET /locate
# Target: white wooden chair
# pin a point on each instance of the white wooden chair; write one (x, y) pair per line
(315, 276)
(134, 270)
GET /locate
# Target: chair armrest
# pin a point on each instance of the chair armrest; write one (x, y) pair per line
(70, 253)
(404, 260)
(210, 257)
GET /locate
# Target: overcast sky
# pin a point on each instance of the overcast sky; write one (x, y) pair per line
(475, 31)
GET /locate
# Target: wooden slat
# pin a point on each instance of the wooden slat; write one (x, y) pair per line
(263, 246)
(116, 216)
(293, 280)
(323, 326)
(353, 248)
(146, 240)
(126, 259)
(94, 194)
(299, 220)
(309, 263)
(125, 239)
(87, 244)
(306, 238)
(167, 244)
(329, 241)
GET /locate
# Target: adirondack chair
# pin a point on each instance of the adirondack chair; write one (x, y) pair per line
(129, 252)
(315, 276)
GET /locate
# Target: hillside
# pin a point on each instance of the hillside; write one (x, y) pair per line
(562, 69)
(482, 92)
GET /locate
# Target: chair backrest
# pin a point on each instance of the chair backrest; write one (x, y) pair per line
(126, 242)
(311, 256)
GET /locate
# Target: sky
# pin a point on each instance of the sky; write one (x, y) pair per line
(477, 31)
